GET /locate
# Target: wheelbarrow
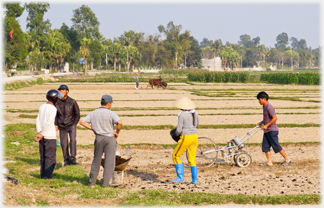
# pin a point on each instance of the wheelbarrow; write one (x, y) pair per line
(120, 166)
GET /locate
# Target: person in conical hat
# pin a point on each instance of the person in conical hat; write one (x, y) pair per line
(137, 81)
(188, 121)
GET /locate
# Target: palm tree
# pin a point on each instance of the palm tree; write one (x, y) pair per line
(84, 51)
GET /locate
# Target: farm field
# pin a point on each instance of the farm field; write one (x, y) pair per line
(225, 110)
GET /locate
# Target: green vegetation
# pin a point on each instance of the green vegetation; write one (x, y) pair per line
(200, 114)
(163, 108)
(292, 78)
(206, 76)
(304, 78)
(120, 79)
(167, 198)
(20, 84)
(211, 126)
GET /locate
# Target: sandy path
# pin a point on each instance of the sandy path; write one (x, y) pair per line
(150, 104)
(308, 134)
(203, 120)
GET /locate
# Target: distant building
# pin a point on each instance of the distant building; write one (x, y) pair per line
(214, 64)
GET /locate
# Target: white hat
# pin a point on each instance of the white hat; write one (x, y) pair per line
(184, 103)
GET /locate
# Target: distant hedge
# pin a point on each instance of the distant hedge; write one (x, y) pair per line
(20, 84)
(221, 76)
(292, 78)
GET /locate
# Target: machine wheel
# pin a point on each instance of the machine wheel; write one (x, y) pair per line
(239, 152)
(205, 160)
(243, 160)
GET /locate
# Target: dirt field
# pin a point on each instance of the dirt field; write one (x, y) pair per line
(151, 166)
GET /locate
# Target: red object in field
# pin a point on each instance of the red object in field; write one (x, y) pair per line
(268, 55)
(11, 33)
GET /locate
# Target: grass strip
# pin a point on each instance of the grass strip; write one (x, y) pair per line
(167, 198)
(210, 126)
(201, 114)
(163, 108)
(258, 90)
(218, 144)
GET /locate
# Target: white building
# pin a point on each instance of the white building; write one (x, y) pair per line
(214, 64)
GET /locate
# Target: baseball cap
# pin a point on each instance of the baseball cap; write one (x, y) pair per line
(107, 98)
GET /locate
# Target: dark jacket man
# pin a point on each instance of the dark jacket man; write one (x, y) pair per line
(67, 117)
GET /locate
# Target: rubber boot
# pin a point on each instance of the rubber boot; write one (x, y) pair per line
(180, 173)
(193, 174)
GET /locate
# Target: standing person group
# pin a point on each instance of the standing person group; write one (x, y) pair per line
(62, 113)
(67, 118)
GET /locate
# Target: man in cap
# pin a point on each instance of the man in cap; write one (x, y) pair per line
(47, 134)
(68, 116)
(137, 81)
(102, 122)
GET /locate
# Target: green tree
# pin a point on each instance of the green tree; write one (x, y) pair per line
(262, 51)
(116, 49)
(302, 45)
(85, 52)
(131, 38)
(207, 52)
(72, 36)
(148, 48)
(305, 58)
(217, 46)
(317, 57)
(175, 42)
(246, 41)
(96, 51)
(58, 46)
(291, 55)
(294, 43)
(194, 58)
(231, 56)
(282, 41)
(37, 29)
(249, 60)
(15, 45)
(86, 24)
(241, 51)
(205, 42)
(134, 56)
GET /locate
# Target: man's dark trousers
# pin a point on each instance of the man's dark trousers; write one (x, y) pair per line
(107, 145)
(47, 151)
(71, 131)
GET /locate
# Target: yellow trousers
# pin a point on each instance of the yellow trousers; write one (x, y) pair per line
(186, 142)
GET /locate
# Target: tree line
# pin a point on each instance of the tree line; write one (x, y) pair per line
(41, 47)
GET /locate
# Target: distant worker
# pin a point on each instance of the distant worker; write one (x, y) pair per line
(47, 134)
(68, 116)
(137, 81)
(102, 123)
(188, 122)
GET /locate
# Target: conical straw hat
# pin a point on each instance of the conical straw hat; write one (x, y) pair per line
(184, 103)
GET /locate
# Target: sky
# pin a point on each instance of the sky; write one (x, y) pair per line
(208, 19)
